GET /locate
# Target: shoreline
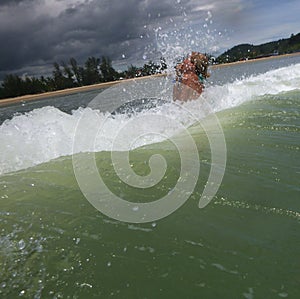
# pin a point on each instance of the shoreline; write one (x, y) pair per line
(32, 97)
(254, 60)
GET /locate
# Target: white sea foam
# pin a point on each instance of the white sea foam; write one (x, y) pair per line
(270, 83)
(47, 133)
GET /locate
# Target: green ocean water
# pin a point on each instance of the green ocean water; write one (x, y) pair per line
(244, 244)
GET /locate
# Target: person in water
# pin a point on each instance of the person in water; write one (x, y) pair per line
(190, 77)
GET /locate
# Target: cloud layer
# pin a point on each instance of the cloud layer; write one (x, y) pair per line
(34, 34)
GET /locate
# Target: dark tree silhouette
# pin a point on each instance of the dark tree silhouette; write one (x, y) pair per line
(107, 71)
(12, 86)
(76, 71)
(68, 75)
(69, 80)
(91, 74)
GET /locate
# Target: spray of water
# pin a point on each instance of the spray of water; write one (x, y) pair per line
(47, 133)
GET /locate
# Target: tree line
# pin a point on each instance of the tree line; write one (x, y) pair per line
(249, 51)
(71, 74)
(96, 70)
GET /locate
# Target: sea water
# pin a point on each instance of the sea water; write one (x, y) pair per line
(243, 244)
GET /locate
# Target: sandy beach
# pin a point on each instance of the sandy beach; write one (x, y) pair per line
(31, 97)
(25, 98)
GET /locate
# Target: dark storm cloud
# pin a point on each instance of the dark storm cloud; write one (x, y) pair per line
(13, 2)
(32, 35)
(35, 33)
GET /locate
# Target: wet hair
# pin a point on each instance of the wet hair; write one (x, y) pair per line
(201, 63)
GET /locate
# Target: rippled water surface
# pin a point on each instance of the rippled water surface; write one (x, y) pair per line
(244, 244)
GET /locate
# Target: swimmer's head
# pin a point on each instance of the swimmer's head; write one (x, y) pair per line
(201, 63)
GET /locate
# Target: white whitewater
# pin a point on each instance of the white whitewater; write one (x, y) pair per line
(47, 133)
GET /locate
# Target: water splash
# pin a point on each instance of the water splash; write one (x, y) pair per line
(47, 133)
(184, 35)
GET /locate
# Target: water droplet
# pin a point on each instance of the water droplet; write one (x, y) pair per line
(136, 208)
(22, 293)
(108, 264)
(3, 285)
(123, 56)
(21, 244)
(86, 285)
(154, 224)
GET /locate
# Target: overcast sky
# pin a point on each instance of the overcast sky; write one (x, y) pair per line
(35, 33)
